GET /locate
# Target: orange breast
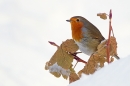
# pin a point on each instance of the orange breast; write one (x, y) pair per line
(76, 28)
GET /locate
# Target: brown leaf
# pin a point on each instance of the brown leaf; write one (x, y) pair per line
(102, 15)
(60, 63)
(64, 59)
(112, 59)
(113, 45)
(98, 59)
(46, 66)
(73, 77)
(80, 73)
(70, 46)
(56, 74)
(102, 47)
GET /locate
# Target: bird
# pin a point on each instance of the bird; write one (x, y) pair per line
(86, 35)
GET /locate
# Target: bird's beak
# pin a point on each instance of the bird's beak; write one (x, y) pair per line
(68, 20)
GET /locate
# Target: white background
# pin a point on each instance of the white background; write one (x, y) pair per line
(26, 26)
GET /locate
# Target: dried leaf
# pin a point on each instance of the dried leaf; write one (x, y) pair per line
(64, 59)
(73, 77)
(80, 73)
(98, 59)
(112, 59)
(69, 46)
(102, 47)
(56, 74)
(46, 66)
(60, 63)
(102, 15)
(113, 45)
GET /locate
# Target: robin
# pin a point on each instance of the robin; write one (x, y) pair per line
(86, 35)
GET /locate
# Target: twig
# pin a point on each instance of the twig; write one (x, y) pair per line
(108, 42)
(77, 58)
(75, 64)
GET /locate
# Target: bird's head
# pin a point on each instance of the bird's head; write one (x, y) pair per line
(77, 23)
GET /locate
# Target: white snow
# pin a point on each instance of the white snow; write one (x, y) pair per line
(114, 74)
(56, 68)
(26, 26)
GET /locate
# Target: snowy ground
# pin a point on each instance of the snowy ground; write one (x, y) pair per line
(26, 26)
(116, 74)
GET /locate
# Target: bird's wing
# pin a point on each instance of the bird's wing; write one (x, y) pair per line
(95, 33)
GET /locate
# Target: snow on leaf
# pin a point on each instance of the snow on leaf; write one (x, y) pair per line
(57, 71)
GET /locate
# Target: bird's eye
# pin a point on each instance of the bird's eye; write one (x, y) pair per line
(77, 20)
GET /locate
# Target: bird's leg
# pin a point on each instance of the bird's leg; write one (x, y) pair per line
(77, 58)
